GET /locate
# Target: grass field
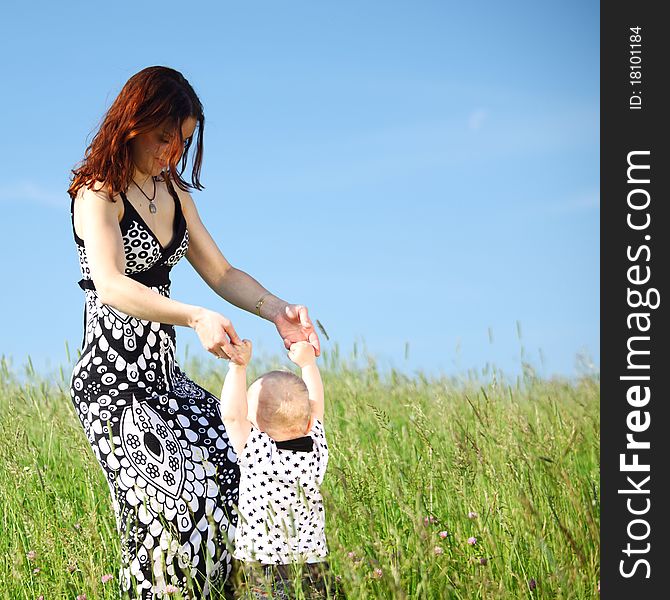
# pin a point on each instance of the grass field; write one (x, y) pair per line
(463, 487)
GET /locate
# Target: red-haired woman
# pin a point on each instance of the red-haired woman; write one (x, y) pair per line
(157, 435)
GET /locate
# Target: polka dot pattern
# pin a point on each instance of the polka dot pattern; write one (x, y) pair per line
(141, 250)
(179, 252)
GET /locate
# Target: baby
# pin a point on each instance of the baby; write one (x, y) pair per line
(276, 428)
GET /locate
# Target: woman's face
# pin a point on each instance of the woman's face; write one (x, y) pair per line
(149, 149)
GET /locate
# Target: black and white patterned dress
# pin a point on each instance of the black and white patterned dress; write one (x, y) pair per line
(158, 436)
(282, 520)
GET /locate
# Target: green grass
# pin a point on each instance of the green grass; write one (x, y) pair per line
(410, 457)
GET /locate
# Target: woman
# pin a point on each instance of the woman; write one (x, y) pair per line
(157, 435)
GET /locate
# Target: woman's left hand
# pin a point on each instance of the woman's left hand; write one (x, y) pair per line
(294, 325)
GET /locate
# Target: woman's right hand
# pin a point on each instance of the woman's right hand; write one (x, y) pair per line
(217, 334)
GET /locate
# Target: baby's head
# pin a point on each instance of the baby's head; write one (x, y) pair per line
(279, 405)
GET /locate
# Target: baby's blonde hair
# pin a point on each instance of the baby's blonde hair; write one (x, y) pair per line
(283, 404)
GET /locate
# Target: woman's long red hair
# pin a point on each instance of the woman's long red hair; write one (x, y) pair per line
(153, 97)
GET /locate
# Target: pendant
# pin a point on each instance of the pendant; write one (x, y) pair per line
(152, 207)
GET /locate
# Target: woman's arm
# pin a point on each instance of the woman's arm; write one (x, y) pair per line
(239, 288)
(233, 285)
(104, 251)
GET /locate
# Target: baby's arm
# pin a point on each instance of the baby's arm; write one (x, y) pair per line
(302, 354)
(234, 400)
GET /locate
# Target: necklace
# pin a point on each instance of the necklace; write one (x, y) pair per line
(152, 206)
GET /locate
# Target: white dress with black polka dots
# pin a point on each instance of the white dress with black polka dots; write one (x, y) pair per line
(157, 435)
(281, 519)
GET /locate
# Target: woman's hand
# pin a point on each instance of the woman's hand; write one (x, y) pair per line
(217, 334)
(294, 325)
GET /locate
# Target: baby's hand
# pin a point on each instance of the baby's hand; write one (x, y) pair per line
(302, 354)
(244, 353)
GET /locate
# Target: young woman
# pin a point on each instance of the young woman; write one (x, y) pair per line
(157, 435)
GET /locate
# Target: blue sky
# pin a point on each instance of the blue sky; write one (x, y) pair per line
(439, 162)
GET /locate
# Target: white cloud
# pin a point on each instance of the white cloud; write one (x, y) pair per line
(477, 118)
(28, 191)
(346, 159)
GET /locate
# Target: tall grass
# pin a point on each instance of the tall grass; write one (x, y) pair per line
(418, 466)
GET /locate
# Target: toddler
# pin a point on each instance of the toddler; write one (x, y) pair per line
(276, 429)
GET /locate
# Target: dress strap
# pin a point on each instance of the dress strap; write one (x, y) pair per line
(77, 239)
(179, 213)
(173, 192)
